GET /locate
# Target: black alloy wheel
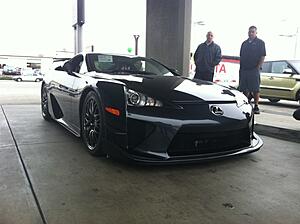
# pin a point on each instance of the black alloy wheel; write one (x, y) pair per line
(92, 124)
(44, 104)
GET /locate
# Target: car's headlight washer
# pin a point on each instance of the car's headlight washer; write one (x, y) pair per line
(241, 100)
(139, 99)
(243, 103)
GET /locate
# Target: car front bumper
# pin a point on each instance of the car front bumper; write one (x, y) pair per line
(160, 141)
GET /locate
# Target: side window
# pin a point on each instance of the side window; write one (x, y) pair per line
(279, 66)
(266, 67)
(149, 67)
(139, 65)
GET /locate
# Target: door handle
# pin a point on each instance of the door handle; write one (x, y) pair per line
(271, 78)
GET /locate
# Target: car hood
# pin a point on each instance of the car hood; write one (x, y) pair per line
(176, 88)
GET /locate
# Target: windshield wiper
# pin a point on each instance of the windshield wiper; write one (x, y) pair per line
(116, 71)
(144, 73)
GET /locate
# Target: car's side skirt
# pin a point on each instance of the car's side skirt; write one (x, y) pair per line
(68, 127)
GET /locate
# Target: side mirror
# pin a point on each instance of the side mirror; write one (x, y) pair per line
(288, 71)
(59, 68)
(68, 68)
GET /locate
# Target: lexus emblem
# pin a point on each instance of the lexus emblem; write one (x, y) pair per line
(216, 110)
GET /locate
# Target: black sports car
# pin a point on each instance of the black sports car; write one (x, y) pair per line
(137, 108)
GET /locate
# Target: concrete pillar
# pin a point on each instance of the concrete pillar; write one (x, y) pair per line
(168, 32)
(78, 21)
(78, 38)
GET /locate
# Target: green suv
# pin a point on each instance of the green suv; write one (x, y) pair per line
(280, 80)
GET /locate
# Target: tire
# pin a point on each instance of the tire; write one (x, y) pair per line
(19, 79)
(274, 100)
(44, 104)
(92, 124)
(37, 80)
(298, 96)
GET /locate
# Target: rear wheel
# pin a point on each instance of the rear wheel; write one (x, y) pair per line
(273, 100)
(298, 96)
(92, 124)
(37, 80)
(44, 104)
(19, 79)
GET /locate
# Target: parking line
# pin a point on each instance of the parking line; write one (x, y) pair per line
(25, 170)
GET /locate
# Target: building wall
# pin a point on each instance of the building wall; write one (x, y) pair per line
(25, 61)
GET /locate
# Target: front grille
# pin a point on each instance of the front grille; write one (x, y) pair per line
(208, 142)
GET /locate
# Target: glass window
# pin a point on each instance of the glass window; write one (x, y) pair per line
(266, 67)
(296, 65)
(114, 64)
(279, 66)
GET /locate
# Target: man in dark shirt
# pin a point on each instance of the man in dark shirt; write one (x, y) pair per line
(252, 56)
(206, 57)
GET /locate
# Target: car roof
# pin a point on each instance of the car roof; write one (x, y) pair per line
(112, 54)
(281, 59)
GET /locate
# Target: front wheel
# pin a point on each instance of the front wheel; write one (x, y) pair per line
(44, 104)
(19, 79)
(92, 124)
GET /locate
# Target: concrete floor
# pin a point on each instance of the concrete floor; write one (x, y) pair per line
(278, 114)
(48, 177)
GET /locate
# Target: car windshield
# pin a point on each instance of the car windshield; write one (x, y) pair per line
(114, 64)
(296, 65)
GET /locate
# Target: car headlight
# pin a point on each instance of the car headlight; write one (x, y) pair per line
(139, 99)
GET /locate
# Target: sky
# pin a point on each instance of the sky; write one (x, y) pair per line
(44, 27)
(229, 20)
